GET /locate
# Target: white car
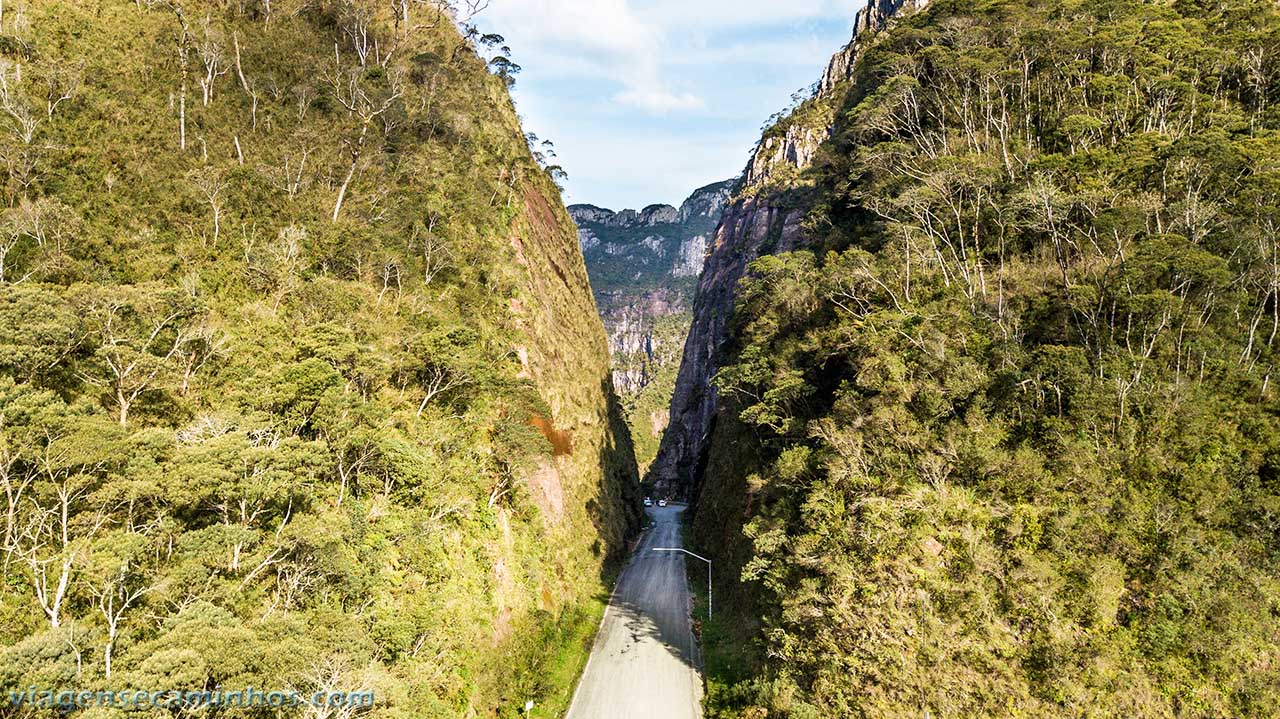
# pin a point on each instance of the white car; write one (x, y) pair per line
(662, 502)
(648, 502)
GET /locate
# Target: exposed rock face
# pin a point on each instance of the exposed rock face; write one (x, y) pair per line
(659, 215)
(755, 220)
(745, 227)
(655, 245)
(644, 267)
(650, 216)
(587, 240)
(590, 213)
(707, 202)
(638, 348)
(794, 149)
(631, 326)
(874, 17)
(642, 264)
(693, 252)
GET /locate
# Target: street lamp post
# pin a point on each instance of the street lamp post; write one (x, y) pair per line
(691, 554)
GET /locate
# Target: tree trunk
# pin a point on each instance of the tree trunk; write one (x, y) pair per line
(342, 191)
(124, 408)
(235, 40)
(182, 100)
(55, 610)
(351, 172)
(106, 650)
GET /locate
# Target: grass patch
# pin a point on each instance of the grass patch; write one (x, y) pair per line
(726, 640)
(574, 637)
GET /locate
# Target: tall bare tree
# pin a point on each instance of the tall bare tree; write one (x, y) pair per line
(48, 545)
(210, 182)
(114, 597)
(434, 250)
(213, 58)
(141, 332)
(367, 106)
(183, 43)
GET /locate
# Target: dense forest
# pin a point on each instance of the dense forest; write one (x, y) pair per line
(301, 383)
(1002, 438)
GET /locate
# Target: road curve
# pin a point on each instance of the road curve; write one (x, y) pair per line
(644, 664)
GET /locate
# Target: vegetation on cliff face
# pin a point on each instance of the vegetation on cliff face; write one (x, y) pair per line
(1003, 439)
(301, 386)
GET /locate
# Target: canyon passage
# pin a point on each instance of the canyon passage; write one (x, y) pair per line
(958, 395)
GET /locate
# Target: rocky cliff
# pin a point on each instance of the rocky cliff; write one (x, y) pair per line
(644, 267)
(764, 217)
(875, 16)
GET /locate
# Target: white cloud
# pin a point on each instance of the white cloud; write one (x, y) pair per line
(746, 13)
(658, 101)
(605, 38)
(648, 99)
(607, 25)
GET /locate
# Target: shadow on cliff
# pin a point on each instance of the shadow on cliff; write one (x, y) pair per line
(616, 512)
(768, 218)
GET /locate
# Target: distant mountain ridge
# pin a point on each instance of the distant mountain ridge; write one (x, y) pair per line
(644, 266)
(705, 202)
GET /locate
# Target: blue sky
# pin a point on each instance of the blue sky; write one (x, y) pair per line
(647, 100)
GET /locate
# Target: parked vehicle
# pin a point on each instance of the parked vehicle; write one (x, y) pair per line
(662, 502)
(648, 502)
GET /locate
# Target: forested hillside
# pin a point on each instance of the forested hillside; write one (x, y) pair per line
(997, 430)
(301, 382)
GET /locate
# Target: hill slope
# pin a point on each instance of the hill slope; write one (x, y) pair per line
(995, 428)
(301, 385)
